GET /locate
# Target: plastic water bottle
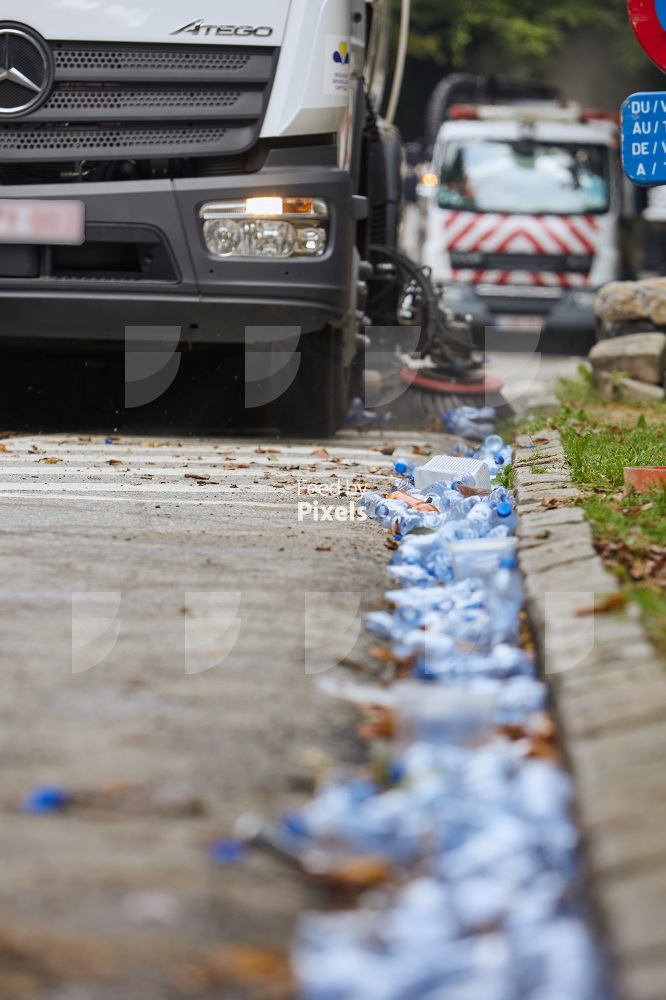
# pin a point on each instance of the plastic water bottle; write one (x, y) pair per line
(505, 514)
(467, 505)
(368, 503)
(505, 600)
(479, 414)
(468, 428)
(492, 445)
(501, 494)
(500, 531)
(482, 516)
(387, 511)
(404, 467)
(464, 479)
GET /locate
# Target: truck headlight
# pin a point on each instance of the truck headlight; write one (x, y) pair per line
(266, 227)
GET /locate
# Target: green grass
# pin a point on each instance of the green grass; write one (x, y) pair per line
(637, 528)
(576, 392)
(529, 424)
(598, 451)
(505, 477)
(600, 438)
(652, 602)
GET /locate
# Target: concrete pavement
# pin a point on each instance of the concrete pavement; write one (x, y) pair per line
(208, 606)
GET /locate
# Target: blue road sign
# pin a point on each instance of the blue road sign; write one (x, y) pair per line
(644, 138)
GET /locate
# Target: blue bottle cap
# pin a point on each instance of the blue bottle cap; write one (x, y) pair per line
(47, 799)
(227, 851)
(503, 509)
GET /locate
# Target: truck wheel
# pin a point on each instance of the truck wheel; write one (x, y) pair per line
(316, 402)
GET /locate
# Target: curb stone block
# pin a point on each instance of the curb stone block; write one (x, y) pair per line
(535, 494)
(621, 699)
(542, 520)
(550, 536)
(635, 912)
(545, 557)
(644, 981)
(525, 477)
(611, 705)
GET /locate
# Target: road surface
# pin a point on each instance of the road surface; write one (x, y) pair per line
(165, 615)
(208, 605)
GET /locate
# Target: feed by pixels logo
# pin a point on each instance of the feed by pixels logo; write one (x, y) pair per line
(313, 509)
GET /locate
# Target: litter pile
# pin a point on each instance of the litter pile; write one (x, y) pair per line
(462, 822)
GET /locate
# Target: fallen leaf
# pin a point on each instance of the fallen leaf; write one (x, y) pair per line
(323, 548)
(49, 461)
(85, 438)
(379, 723)
(247, 963)
(197, 475)
(3, 447)
(361, 872)
(114, 461)
(613, 603)
(320, 452)
(425, 449)
(380, 653)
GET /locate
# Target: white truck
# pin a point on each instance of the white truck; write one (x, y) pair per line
(219, 169)
(522, 213)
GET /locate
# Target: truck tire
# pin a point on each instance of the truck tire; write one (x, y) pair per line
(316, 402)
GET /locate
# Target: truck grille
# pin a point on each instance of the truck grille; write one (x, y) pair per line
(146, 101)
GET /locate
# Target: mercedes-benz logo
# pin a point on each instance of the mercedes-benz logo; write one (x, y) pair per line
(26, 69)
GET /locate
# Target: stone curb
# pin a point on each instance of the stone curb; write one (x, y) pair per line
(609, 690)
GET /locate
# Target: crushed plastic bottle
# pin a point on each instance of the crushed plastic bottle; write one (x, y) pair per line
(368, 503)
(470, 423)
(404, 467)
(358, 416)
(505, 599)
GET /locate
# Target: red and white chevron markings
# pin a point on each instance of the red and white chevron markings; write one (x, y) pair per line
(487, 232)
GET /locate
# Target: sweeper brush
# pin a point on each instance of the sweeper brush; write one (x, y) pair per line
(420, 357)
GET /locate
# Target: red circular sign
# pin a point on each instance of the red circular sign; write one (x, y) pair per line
(648, 19)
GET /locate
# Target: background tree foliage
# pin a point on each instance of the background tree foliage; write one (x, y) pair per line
(520, 38)
(527, 31)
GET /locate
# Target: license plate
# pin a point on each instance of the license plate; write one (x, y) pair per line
(519, 323)
(25, 220)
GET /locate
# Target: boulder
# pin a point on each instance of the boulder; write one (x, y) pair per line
(606, 328)
(640, 356)
(623, 301)
(629, 390)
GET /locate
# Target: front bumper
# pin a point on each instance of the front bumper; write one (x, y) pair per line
(210, 298)
(566, 315)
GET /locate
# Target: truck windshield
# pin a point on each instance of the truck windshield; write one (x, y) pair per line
(527, 177)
